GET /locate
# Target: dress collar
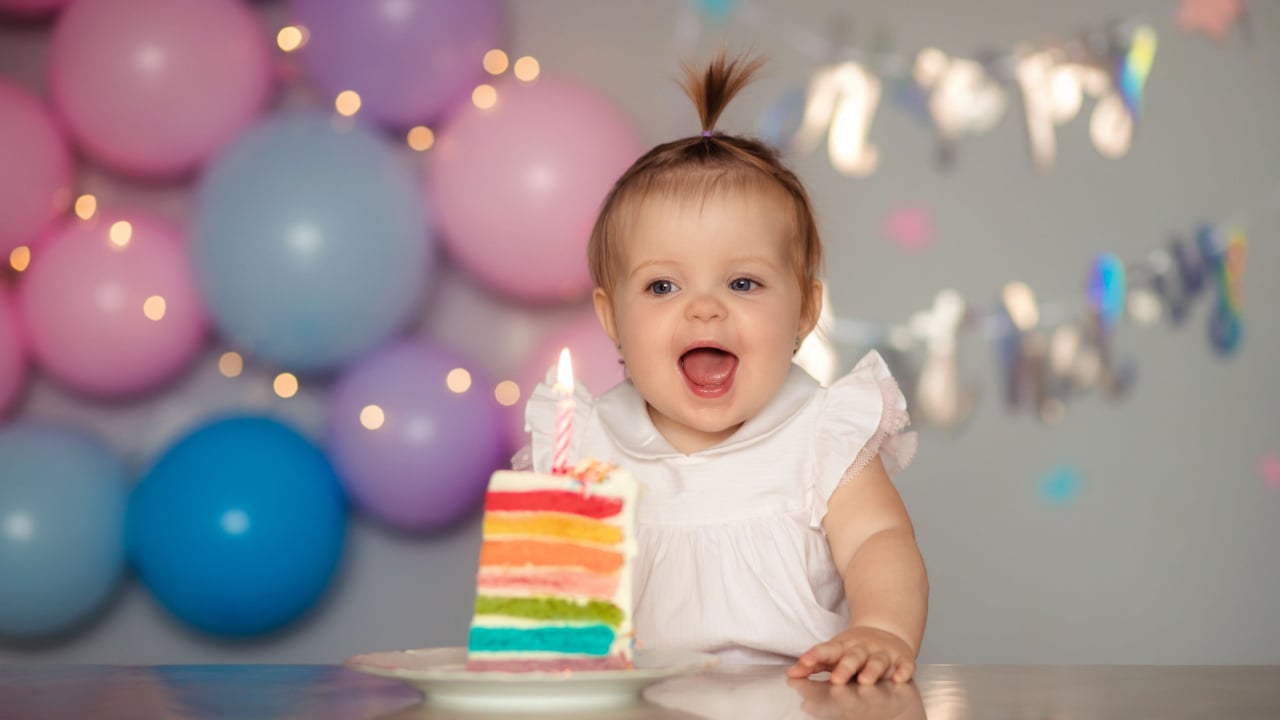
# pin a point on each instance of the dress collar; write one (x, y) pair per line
(626, 419)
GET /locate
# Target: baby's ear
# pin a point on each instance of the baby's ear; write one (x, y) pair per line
(811, 310)
(604, 313)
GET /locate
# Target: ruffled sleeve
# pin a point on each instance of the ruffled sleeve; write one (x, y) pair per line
(863, 416)
(540, 422)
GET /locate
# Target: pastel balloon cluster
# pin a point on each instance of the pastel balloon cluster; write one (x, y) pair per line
(311, 246)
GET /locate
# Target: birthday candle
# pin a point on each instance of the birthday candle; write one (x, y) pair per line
(564, 412)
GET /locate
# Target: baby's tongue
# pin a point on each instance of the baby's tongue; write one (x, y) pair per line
(708, 367)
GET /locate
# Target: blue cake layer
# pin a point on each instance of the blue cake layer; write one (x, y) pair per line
(576, 639)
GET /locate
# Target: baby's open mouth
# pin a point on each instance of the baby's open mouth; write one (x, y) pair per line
(709, 370)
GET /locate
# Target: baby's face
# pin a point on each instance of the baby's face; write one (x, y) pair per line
(707, 310)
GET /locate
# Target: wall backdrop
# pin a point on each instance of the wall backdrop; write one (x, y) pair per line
(1134, 519)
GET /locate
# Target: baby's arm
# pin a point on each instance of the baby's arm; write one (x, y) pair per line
(874, 546)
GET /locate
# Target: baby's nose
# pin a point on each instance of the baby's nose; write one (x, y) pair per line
(705, 306)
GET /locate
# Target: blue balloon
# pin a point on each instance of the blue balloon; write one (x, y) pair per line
(62, 510)
(238, 527)
(311, 243)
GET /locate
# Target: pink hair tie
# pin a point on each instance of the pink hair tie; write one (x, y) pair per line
(707, 133)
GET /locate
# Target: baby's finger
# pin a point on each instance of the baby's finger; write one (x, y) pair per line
(905, 670)
(848, 665)
(874, 669)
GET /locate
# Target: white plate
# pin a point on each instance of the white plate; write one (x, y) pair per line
(441, 674)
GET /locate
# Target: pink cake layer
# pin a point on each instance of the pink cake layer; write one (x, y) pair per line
(609, 662)
(559, 582)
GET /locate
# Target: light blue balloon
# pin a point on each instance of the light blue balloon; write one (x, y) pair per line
(311, 244)
(62, 507)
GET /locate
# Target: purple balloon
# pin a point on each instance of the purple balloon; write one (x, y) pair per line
(13, 361)
(409, 60)
(409, 450)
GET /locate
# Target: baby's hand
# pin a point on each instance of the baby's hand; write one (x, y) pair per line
(867, 653)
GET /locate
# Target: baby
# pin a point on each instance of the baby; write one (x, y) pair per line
(768, 527)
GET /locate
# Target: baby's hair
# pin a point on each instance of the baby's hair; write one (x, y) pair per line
(702, 165)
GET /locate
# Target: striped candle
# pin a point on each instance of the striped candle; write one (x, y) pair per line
(564, 413)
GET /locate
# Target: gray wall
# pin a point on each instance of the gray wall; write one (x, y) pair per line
(1168, 554)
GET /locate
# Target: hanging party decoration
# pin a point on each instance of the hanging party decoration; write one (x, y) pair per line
(910, 227)
(1045, 354)
(154, 87)
(1061, 485)
(311, 242)
(1214, 18)
(963, 95)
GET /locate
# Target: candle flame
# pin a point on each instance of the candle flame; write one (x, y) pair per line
(564, 373)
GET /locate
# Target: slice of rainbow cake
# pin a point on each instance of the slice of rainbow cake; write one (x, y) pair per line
(553, 589)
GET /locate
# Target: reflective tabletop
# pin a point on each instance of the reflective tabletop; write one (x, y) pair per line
(940, 692)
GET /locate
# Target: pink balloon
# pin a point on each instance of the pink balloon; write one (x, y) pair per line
(29, 8)
(595, 364)
(13, 361)
(154, 87)
(517, 186)
(35, 173)
(112, 319)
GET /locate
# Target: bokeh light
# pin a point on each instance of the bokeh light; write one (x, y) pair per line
(372, 417)
(421, 138)
(484, 96)
(458, 380)
(527, 69)
(496, 62)
(507, 393)
(86, 206)
(347, 103)
(154, 307)
(20, 258)
(285, 385)
(231, 364)
(121, 233)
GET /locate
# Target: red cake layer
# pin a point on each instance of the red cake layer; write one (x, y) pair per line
(567, 501)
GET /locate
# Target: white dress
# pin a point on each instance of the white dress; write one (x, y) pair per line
(733, 558)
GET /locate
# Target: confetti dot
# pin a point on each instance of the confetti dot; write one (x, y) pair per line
(911, 228)
(1061, 485)
(1269, 468)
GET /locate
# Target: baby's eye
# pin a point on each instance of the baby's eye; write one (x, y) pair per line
(661, 287)
(743, 285)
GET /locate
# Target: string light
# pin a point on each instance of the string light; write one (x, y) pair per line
(20, 258)
(496, 62)
(121, 233)
(291, 37)
(421, 138)
(154, 308)
(526, 69)
(86, 206)
(230, 364)
(507, 393)
(372, 417)
(458, 380)
(347, 103)
(285, 385)
(484, 96)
